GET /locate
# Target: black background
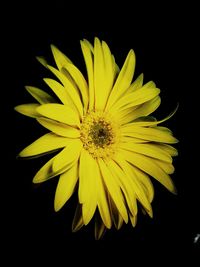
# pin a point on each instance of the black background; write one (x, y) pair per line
(164, 39)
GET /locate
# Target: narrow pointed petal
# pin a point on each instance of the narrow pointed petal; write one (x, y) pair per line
(130, 139)
(42, 61)
(150, 134)
(90, 73)
(109, 70)
(116, 217)
(28, 110)
(87, 185)
(86, 195)
(133, 219)
(142, 110)
(125, 184)
(123, 80)
(169, 149)
(78, 220)
(155, 122)
(68, 156)
(99, 75)
(166, 166)
(89, 45)
(59, 113)
(59, 128)
(165, 129)
(103, 73)
(120, 221)
(116, 69)
(46, 143)
(148, 166)
(99, 228)
(41, 96)
(135, 98)
(102, 201)
(144, 179)
(70, 87)
(134, 184)
(60, 59)
(58, 90)
(150, 150)
(114, 189)
(80, 82)
(137, 84)
(45, 173)
(65, 187)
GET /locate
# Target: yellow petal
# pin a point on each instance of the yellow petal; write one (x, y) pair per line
(89, 45)
(99, 75)
(166, 166)
(59, 113)
(114, 189)
(78, 220)
(135, 98)
(65, 187)
(99, 228)
(45, 173)
(109, 69)
(68, 156)
(116, 217)
(153, 123)
(142, 110)
(133, 219)
(90, 72)
(162, 128)
(116, 69)
(144, 179)
(103, 73)
(123, 80)
(59, 57)
(58, 90)
(147, 165)
(87, 185)
(102, 201)
(137, 84)
(46, 143)
(134, 184)
(134, 140)
(120, 221)
(42, 61)
(28, 110)
(80, 81)
(125, 184)
(59, 128)
(150, 134)
(41, 96)
(71, 89)
(151, 150)
(169, 149)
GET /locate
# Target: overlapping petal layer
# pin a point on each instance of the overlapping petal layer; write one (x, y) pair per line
(110, 146)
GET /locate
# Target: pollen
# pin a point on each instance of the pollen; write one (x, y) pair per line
(99, 134)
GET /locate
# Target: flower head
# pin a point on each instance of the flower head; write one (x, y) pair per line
(107, 143)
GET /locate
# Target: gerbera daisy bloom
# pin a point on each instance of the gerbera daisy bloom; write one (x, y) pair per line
(107, 143)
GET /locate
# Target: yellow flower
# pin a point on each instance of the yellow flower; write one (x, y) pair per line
(108, 144)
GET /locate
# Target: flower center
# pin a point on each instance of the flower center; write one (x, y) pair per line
(99, 134)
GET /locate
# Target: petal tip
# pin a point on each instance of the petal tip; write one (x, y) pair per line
(174, 191)
(42, 61)
(57, 207)
(36, 180)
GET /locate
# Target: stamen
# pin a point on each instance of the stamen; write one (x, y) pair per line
(99, 134)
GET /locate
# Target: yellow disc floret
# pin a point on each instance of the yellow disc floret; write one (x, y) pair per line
(99, 134)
